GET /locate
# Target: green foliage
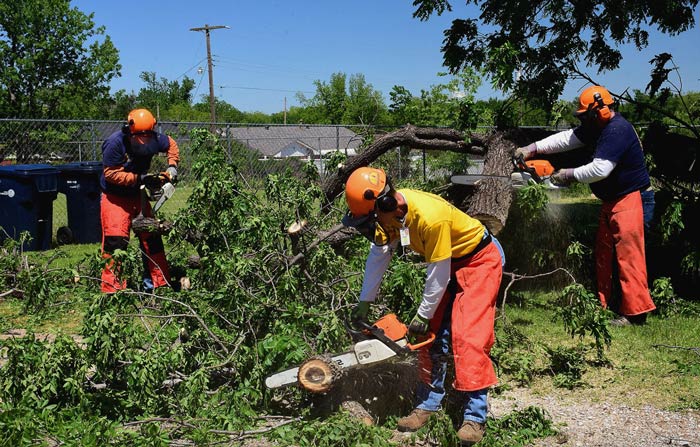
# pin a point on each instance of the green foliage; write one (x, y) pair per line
(172, 99)
(343, 100)
(42, 286)
(55, 63)
(667, 302)
(567, 364)
(513, 353)
(532, 199)
(340, 430)
(672, 220)
(533, 48)
(438, 431)
(518, 429)
(402, 287)
(582, 315)
(451, 104)
(41, 375)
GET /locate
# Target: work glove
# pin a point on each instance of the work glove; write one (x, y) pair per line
(360, 311)
(150, 181)
(526, 152)
(563, 177)
(170, 174)
(419, 326)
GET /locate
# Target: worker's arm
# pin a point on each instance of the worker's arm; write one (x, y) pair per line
(377, 263)
(594, 171)
(173, 152)
(118, 176)
(559, 142)
(437, 278)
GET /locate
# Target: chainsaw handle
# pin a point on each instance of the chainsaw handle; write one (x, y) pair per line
(357, 329)
(427, 341)
(520, 165)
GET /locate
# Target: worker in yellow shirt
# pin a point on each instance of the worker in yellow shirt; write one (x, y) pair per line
(459, 300)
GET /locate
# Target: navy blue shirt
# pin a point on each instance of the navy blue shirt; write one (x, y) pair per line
(120, 150)
(617, 142)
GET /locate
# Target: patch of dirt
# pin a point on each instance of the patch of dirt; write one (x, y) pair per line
(608, 424)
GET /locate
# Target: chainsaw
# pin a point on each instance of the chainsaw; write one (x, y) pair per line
(384, 340)
(146, 220)
(536, 171)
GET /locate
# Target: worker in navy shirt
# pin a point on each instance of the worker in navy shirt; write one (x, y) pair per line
(618, 176)
(126, 159)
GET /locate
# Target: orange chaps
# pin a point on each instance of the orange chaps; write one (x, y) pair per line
(474, 287)
(620, 239)
(117, 213)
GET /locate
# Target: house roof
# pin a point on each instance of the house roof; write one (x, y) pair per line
(271, 140)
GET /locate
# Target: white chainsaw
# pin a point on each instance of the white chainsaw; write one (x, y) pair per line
(383, 340)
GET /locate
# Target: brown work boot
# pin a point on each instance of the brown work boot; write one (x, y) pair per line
(415, 420)
(470, 433)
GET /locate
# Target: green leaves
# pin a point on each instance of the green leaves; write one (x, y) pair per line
(582, 314)
(51, 71)
(544, 41)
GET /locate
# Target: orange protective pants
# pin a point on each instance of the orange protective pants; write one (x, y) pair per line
(117, 213)
(620, 239)
(472, 300)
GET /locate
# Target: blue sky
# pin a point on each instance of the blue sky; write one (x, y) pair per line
(274, 49)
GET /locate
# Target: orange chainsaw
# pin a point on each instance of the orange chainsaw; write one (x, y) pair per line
(385, 339)
(537, 171)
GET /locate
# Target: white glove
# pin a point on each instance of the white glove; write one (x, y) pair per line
(172, 173)
(526, 152)
(563, 177)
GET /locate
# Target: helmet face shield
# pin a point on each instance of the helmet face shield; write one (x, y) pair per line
(365, 225)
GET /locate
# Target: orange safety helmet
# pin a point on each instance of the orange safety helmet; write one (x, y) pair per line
(595, 99)
(362, 189)
(140, 120)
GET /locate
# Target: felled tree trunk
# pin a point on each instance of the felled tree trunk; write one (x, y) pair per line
(491, 198)
(430, 138)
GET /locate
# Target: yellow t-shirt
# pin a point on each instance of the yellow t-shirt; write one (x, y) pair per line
(437, 229)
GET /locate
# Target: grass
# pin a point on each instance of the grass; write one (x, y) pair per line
(643, 370)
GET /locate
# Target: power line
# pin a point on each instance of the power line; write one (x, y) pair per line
(265, 89)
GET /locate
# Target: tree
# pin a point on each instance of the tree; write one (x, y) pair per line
(448, 105)
(532, 47)
(47, 67)
(344, 101)
(171, 99)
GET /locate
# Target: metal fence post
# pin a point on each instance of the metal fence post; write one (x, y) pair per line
(94, 141)
(228, 143)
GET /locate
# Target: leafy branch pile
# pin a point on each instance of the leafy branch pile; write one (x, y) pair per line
(188, 367)
(167, 367)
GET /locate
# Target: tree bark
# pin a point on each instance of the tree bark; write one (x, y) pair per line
(432, 138)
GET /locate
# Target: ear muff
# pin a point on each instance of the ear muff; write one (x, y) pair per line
(384, 201)
(602, 111)
(387, 203)
(125, 128)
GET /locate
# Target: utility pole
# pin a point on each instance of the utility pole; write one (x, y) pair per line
(212, 106)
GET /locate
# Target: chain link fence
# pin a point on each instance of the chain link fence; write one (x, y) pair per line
(258, 150)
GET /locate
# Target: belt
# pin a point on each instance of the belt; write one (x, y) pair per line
(486, 240)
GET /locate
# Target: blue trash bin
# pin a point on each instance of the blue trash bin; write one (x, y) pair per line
(27, 193)
(80, 182)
